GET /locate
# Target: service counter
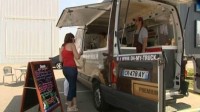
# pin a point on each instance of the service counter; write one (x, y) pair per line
(128, 50)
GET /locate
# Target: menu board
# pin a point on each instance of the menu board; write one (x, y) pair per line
(45, 87)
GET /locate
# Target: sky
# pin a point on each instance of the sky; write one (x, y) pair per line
(71, 3)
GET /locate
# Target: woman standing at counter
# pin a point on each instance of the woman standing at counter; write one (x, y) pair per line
(68, 52)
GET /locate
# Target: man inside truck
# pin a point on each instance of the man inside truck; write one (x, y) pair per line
(140, 35)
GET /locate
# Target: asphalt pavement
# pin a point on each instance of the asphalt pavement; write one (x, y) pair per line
(11, 98)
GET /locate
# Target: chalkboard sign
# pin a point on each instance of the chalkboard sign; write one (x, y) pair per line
(40, 87)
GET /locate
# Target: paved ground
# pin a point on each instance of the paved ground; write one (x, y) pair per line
(11, 95)
(187, 104)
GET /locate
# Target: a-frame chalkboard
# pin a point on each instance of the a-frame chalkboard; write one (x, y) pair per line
(40, 88)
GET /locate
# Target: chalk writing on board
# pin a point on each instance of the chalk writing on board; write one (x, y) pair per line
(44, 78)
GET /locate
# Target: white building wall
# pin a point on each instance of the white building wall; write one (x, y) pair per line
(28, 30)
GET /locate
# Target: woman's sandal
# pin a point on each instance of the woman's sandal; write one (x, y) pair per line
(72, 109)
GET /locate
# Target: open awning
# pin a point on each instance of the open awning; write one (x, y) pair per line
(82, 15)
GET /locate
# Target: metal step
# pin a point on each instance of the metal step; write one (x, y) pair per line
(173, 94)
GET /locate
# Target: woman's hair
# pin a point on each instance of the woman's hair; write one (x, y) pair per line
(140, 19)
(69, 38)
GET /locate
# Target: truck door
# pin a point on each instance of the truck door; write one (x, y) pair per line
(137, 74)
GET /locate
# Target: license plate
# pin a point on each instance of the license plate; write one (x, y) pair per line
(140, 74)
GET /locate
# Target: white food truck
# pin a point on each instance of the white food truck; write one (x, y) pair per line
(117, 74)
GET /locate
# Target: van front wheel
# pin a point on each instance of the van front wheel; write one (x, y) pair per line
(99, 102)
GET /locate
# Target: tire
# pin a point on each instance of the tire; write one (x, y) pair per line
(58, 65)
(99, 102)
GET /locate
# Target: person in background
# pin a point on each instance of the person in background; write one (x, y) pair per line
(103, 40)
(68, 54)
(140, 35)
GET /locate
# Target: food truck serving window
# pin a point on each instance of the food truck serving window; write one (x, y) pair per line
(82, 15)
(157, 19)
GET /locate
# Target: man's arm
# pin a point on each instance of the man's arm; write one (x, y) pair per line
(144, 44)
(145, 39)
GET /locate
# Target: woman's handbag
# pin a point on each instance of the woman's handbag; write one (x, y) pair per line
(66, 87)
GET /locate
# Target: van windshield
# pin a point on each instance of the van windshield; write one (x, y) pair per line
(156, 19)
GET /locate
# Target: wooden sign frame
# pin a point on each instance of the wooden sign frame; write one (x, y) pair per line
(40, 88)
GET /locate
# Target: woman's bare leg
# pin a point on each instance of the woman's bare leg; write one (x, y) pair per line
(74, 101)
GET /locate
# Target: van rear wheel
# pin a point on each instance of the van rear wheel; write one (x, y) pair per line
(99, 102)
